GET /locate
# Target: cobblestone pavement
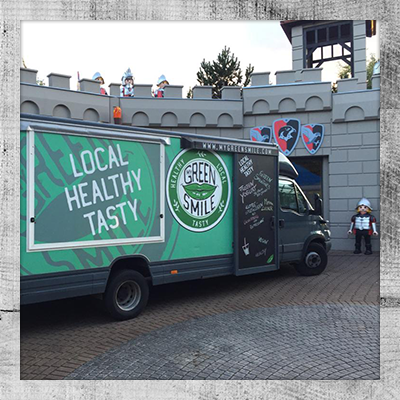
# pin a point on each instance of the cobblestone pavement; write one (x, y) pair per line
(275, 325)
(285, 342)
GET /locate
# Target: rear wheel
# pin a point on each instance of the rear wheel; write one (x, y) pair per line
(314, 261)
(126, 295)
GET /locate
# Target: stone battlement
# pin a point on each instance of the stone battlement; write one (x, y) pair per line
(295, 91)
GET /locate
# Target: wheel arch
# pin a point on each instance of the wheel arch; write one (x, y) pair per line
(139, 263)
(316, 238)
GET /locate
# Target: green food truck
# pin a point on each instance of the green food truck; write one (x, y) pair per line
(112, 210)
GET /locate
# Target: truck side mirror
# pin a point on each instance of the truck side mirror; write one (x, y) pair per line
(318, 204)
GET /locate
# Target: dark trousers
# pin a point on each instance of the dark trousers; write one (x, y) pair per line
(359, 234)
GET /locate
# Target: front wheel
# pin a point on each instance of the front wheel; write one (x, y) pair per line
(314, 261)
(126, 295)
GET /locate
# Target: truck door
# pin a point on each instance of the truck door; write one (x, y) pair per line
(256, 212)
(294, 220)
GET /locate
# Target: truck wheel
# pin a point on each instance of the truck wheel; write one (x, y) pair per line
(126, 295)
(314, 261)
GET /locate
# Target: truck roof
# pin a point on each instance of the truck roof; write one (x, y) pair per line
(50, 123)
(41, 121)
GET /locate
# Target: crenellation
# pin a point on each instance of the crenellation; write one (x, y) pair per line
(347, 85)
(115, 89)
(89, 85)
(287, 76)
(59, 80)
(28, 75)
(230, 93)
(173, 91)
(202, 92)
(311, 75)
(376, 81)
(260, 79)
(143, 90)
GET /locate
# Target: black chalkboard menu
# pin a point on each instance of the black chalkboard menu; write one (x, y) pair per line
(255, 181)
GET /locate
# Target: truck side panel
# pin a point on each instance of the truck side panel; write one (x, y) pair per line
(86, 191)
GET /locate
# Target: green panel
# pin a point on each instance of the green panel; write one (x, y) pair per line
(54, 172)
(94, 189)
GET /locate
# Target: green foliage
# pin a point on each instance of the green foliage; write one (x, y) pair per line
(224, 71)
(189, 94)
(370, 69)
(345, 71)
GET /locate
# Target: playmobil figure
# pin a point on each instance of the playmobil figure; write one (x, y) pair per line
(363, 224)
(97, 77)
(127, 84)
(161, 83)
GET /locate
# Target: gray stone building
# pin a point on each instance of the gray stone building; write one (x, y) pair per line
(344, 168)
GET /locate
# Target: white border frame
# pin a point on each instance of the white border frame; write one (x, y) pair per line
(30, 227)
(14, 388)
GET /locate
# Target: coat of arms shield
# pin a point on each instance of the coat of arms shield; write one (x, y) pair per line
(261, 134)
(286, 134)
(312, 136)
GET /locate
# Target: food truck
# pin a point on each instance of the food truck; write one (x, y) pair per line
(114, 210)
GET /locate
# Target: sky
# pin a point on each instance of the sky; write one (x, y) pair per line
(153, 48)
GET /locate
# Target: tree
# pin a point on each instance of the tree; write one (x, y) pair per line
(224, 71)
(345, 71)
(370, 69)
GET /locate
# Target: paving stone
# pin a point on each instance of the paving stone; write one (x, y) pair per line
(190, 356)
(274, 325)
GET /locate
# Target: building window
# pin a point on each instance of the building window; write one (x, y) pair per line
(310, 175)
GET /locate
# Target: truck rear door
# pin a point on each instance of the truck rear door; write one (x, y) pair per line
(255, 189)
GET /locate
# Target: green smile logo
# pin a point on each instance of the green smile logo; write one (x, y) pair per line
(198, 189)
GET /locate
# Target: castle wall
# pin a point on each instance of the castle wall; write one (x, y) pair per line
(350, 147)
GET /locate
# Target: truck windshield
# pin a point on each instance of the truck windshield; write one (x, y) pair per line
(287, 196)
(292, 198)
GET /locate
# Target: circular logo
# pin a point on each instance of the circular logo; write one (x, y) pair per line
(198, 189)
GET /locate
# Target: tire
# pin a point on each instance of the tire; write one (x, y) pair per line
(314, 261)
(126, 295)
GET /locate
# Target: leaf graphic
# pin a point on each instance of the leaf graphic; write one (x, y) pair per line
(270, 259)
(199, 191)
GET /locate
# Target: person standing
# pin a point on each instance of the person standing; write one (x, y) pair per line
(127, 89)
(97, 77)
(363, 225)
(161, 83)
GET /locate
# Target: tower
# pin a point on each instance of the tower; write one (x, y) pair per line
(318, 42)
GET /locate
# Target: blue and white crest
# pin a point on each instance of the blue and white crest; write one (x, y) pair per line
(312, 136)
(261, 134)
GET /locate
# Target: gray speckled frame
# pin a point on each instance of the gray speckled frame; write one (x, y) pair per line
(13, 12)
